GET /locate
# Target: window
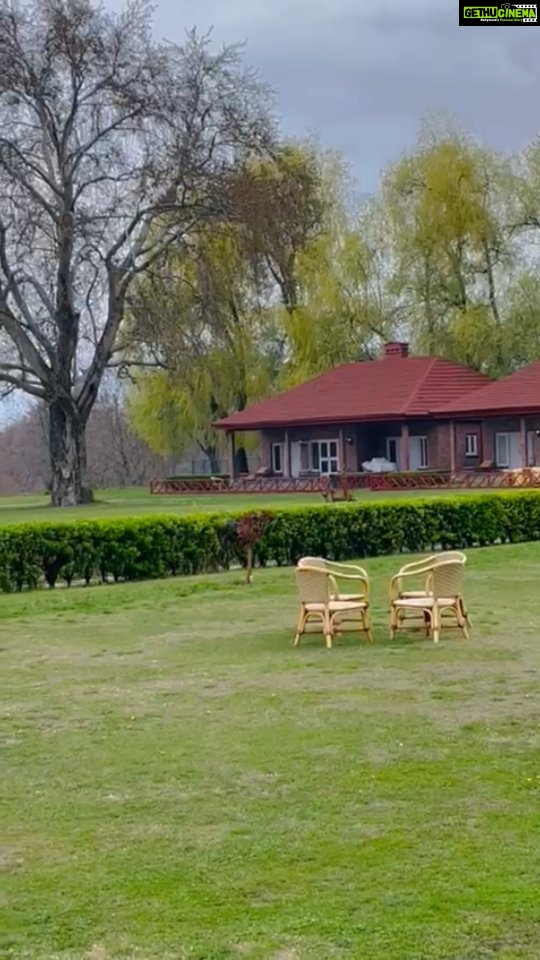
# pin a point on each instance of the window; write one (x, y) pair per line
(324, 456)
(502, 449)
(277, 458)
(418, 453)
(471, 444)
(393, 450)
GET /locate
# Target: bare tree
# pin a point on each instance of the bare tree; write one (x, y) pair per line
(111, 148)
(117, 457)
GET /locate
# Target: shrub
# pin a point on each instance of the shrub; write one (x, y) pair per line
(247, 533)
(148, 547)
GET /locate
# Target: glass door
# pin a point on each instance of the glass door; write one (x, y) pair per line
(324, 456)
(502, 449)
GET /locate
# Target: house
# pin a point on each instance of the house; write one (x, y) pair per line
(421, 413)
(503, 416)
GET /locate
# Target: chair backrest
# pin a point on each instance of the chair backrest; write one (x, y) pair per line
(434, 558)
(349, 571)
(313, 584)
(332, 566)
(446, 578)
(318, 562)
(446, 555)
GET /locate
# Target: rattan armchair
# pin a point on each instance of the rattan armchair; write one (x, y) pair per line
(421, 569)
(442, 597)
(319, 604)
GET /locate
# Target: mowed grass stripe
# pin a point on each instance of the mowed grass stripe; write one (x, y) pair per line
(130, 502)
(180, 783)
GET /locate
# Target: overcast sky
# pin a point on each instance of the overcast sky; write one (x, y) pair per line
(362, 73)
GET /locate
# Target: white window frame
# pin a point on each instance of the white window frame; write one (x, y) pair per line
(424, 453)
(389, 457)
(505, 463)
(471, 444)
(274, 448)
(330, 461)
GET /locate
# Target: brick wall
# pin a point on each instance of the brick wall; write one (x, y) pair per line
(464, 462)
(439, 446)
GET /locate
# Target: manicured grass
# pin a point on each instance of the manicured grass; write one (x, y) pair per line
(180, 783)
(129, 502)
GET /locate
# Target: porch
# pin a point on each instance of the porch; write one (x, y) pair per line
(324, 451)
(423, 446)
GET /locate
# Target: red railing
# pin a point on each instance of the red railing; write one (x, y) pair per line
(340, 486)
(254, 484)
(182, 485)
(419, 480)
(525, 478)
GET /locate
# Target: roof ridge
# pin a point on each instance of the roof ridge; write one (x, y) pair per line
(492, 390)
(408, 403)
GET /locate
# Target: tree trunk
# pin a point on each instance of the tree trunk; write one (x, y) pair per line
(213, 460)
(211, 455)
(249, 565)
(67, 451)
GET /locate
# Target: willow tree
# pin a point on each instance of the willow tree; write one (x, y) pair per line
(281, 205)
(112, 147)
(208, 318)
(201, 324)
(452, 250)
(345, 307)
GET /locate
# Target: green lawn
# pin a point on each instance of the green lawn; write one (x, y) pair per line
(181, 784)
(128, 502)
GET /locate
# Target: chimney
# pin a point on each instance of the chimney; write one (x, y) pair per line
(394, 349)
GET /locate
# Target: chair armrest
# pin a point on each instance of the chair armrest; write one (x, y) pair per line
(395, 582)
(363, 581)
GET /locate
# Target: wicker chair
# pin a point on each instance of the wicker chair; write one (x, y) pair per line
(442, 597)
(317, 594)
(341, 571)
(421, 568)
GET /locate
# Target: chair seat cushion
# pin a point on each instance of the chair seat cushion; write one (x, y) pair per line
(336, 606)
(424, 602)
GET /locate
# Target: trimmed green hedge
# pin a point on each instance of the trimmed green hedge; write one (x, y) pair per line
(149, 547)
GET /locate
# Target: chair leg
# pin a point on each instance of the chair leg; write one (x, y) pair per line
(436, 622)
(462, 618)
(328, 629)
(427, 622)
(300, 627)
(394, 621)
(464, 612)
(367, 625)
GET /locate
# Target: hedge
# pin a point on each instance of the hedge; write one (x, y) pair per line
(149, 547)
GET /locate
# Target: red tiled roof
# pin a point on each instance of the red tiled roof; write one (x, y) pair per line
(389, 389)
(518, 392)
